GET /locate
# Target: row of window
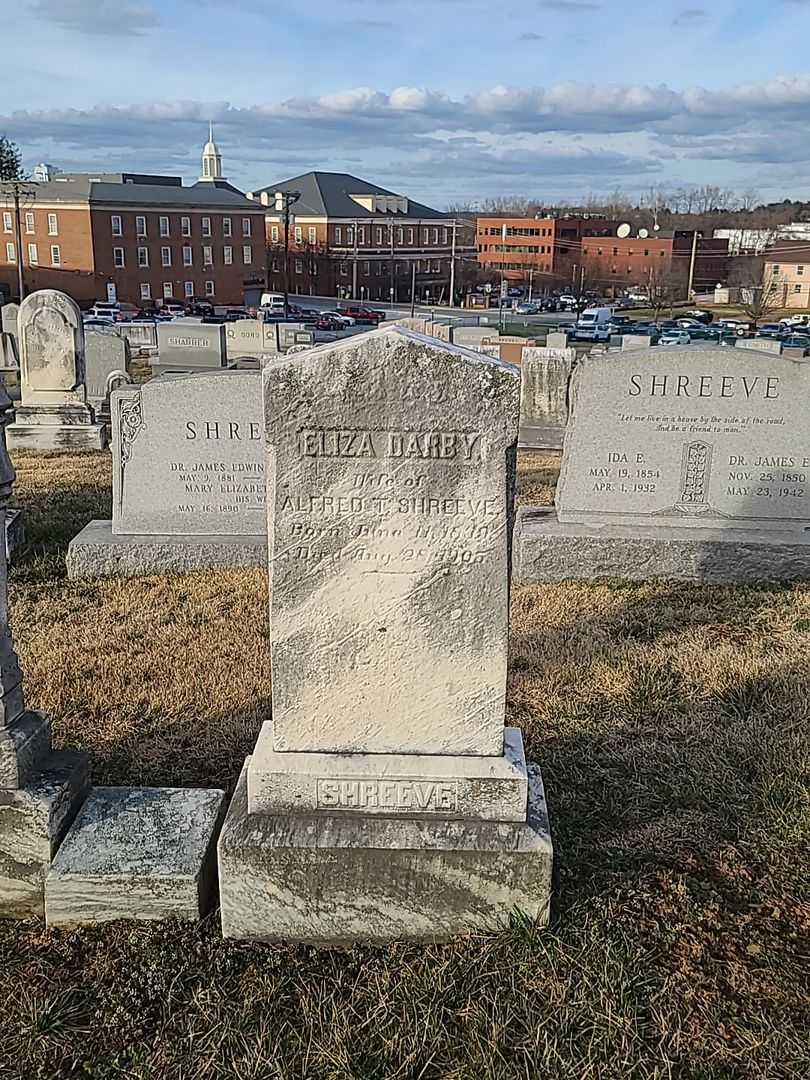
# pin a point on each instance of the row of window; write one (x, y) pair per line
(431, 266)
(629, 252)
(510, 231)
(775, 271)
(120, 261)
(379, 236)
(540, 268)
(164, 226)
(518, 249)
(167, 289)
(33, 254)
(30, 223)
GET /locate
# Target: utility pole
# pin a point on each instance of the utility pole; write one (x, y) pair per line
(413, 287)
(692, 265)
(287, 199)
(20, 191)
(354, 263)
(453, 267)
(392, 285)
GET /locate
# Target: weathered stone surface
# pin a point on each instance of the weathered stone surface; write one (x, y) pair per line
(691, 438)
(24, 745)
(9, 357)
(545, 375)
(15, 532)
(188, 346)
(188, 456)
(250, 337)
(137, 853)
(471, 337)
(97, 552)
(9, 317)
(556, 339)
(766, 345)
(391, 471)
(336, 879)
(106, 353)
(635, 341)
(444, 785)
(33, 821)
(142, 336)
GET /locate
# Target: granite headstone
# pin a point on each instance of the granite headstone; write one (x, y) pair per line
(545, 375)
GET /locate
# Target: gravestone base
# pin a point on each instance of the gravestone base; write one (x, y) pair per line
(547, 550)
(23, 745)
(329, 879)
(475, 788)
(535, 436)
(56, 427)
(33, 822)
(97, 552)
(137, 853)
(15, 532)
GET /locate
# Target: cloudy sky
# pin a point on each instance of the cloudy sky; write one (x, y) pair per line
(445, 100)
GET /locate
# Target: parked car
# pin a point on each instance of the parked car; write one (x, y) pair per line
(93, 323)
(796, 320)
(593, 324)
(362, 315)
(689, 324)
(567, 301)
(173, 309)
(674, 337)
(796, 341)
(341, 316)
(771, 330)
(527, 308)
(101, 310)
(701, 315)
(328, 322)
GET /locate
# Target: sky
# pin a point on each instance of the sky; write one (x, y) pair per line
(447, 101)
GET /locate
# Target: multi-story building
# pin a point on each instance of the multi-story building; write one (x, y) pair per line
(786, 274)
(615, 263)
(139, 239)
(350, 238)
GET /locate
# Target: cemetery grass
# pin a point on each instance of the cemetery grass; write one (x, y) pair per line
(671, 725)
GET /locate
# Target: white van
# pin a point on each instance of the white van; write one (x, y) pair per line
(592, 325)
(272, 302)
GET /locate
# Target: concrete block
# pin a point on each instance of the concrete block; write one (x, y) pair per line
(137, 853)
(443, 785)
(23, 745)
(21, 436)
(546, 550)
(333, 880)
(97, 552)
(33, 821)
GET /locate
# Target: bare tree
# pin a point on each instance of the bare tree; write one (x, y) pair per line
(762, 294)
(666, 285)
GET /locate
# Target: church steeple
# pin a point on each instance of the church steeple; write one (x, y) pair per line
(211, 159)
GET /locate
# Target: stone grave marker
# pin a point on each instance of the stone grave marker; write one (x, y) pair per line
(691, 463)
(106, 353)
(189, 346)
(54, 413)
(246, 337)
(9, 314)
(545, 375)
(188, 479)
(391, 465)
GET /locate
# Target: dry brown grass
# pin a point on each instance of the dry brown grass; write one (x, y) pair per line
(671, 724)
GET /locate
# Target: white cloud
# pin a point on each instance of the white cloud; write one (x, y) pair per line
(105, 17)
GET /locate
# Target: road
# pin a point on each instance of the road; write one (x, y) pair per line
(474, 315)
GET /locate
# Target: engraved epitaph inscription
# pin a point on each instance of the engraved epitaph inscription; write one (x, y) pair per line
(390, 461)
(389, 795)
(698, 438)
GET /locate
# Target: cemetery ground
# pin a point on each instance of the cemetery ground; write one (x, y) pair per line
(671, 723)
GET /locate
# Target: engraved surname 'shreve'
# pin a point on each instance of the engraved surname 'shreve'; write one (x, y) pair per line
(414, 796)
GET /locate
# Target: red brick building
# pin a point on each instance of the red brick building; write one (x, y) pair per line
(140, 242)
(615, 263)
(354, 239)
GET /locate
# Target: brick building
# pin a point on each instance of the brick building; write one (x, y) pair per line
(616, 263)
(354, 239)
(139, 239)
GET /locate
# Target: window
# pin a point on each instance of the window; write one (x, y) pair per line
(410, 236)
(425, 236)
(206, 226)
(115, 224)
(167, 290)
(185, 226)
(188, 288)
(118, 258)
(146, 291)
(367, 268)
(274, 266)
(299, 266)
(33, 258)
(7, 222)
(209, 288)
(227, 255)
(312, 235)
(775, 271)
(143, 256)
(400, 234)
(379, 236)
(208, 256)
(53, 225)
(164, 226)
(247, 254)
(165, 256)
(344, 269)
(56, 255)
(361, 235)
(299, 235)
(444, 235)
(349, 234)
(29, 222)
(227, 227)
(188, 257)
(274, 233)
(797, 288)
(140, 225)
(435, 237)
(437, 266)
(338, 234)
(11, 254)
(799, 271)
(245, 226)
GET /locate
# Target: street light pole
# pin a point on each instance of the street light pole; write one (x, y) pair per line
(18, 232)
(287, 200)
(453, 267)
(413, 287)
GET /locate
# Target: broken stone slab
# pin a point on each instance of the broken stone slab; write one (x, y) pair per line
(488, 788)
(331, 879)
(98, 552)
(33, 821)
(23, 746)
(137, 853)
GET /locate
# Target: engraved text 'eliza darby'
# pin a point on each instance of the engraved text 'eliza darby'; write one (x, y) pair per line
(389, 444)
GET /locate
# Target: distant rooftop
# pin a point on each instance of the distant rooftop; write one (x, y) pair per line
(167, 191)
(341, 195)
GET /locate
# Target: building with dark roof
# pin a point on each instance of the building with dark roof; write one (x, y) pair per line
(351, 238)
(137, 238)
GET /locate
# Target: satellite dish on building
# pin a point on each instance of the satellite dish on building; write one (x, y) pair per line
(656, 226)
(643, 234)
(623, 231)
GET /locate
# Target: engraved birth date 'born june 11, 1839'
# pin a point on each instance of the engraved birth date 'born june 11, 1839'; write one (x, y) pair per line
(689, 437)
(392, 464)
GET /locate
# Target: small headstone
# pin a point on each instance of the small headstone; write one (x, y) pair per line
(680, 462)
(142, 336)
(545, 375)
(9, 314)
(556, 339)
(636, 341)
(391, 464)
(246, 337)
(189, 346)
(53, 413)
(471, 337)
(9, 357)
(106, 353)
